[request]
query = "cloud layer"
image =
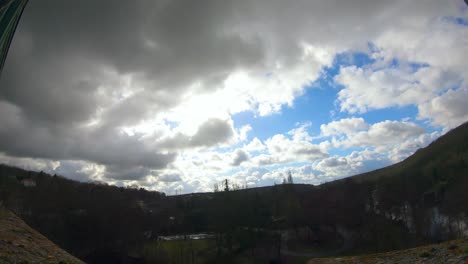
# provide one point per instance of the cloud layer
(147, 92)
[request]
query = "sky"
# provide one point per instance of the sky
(176, 96)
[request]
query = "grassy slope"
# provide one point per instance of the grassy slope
(19, 243)
(455, 251)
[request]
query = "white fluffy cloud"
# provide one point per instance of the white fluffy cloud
(367, 88)
(255, 145)
(356, 162)
(378, 153)
(344, 126)
(355, 132)
(297, 148)
(335, 167)
(437, 41)
(440, 47)
(448, 110)
(383, 134)
(397, 139)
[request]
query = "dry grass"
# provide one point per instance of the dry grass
(19, 243)
(455, 251)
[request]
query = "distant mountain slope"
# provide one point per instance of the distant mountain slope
(19, 243)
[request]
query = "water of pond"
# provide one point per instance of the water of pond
(187, 237)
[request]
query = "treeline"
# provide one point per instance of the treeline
(86, 219)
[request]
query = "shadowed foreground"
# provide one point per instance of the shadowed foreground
(19, 243)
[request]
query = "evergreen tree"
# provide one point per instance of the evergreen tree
(290, 178)
(226, 185)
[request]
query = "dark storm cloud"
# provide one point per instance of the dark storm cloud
(66, 60)
(94, 144)
(170, 42)
(172, 177)
(239, 157)
(212, 132)
(50, 94)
